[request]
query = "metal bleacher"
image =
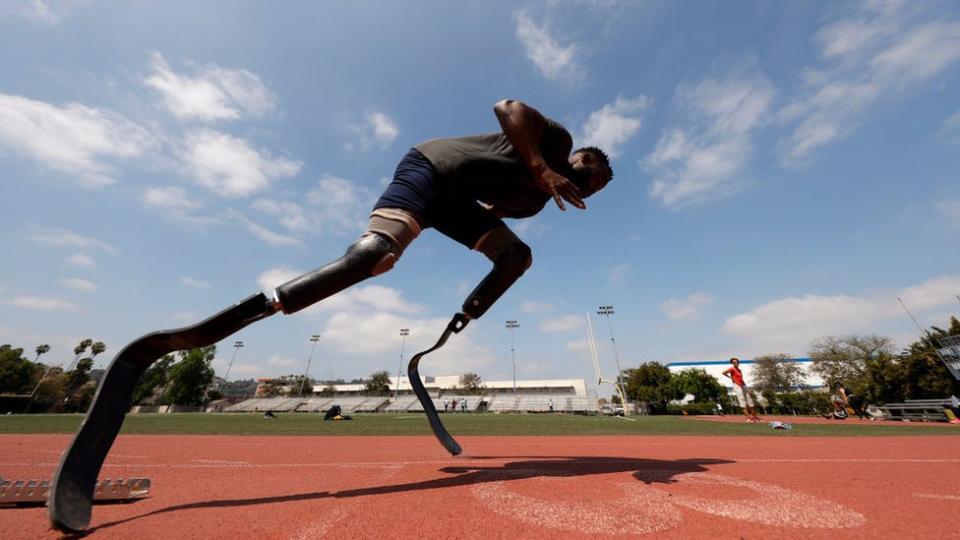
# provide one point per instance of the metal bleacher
(925, 410)
(402, 404)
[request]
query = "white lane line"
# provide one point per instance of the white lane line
(937, 496)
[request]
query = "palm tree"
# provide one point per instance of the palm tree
(41, 349)
(97, 348)
(78, 350)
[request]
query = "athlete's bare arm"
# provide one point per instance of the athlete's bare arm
(523, 125)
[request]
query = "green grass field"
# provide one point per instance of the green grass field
(458, 424)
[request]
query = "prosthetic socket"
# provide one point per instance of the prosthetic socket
(508, 266)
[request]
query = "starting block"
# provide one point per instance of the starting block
(14, 492)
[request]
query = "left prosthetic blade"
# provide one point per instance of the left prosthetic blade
(74, 484)
(458, 322)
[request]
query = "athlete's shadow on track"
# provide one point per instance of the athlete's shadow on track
(645, 470)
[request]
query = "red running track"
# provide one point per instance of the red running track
(513, 487)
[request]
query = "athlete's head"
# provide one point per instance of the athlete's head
(735, 362)
(591, 170)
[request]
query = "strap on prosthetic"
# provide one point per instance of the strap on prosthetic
(388, 234)
(511, 258)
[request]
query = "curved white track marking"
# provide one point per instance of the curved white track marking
(937, 496)
(774, 506)
(320, 527)
(642, 513)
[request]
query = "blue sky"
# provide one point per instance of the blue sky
(784, 171)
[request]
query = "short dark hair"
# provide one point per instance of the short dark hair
(734, 359)
(600, 154)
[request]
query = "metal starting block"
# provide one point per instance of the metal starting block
(109, 490)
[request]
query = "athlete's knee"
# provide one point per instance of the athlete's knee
(372, 254)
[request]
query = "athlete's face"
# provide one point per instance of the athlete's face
(589, 173)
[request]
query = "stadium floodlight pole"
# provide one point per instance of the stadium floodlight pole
(314, 338)
(513, 355)
(607, 311)
(236, 349)
(404, 332)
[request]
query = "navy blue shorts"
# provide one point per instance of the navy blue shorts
(416, 188)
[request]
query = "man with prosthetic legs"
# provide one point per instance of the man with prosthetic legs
(462, 187)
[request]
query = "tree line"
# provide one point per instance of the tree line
(867, 365)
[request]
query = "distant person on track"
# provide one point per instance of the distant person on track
(741, 390)
(463, 187)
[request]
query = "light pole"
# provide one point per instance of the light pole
(607, 311)
(404, 332)
(513, 355)
(314, 338)
(236, 349)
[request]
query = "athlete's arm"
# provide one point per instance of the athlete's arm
(524, 126)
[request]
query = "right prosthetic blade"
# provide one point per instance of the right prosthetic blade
(456, 324)
(74, 482)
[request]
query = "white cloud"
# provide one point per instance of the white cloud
(614, 124)
(362, 332)
(790, 324)
(375, 128)
(48, 12)
(56, 236)
(564, 323)
(72, 139)
(79, 284)
(169, 198)
(706, 159)
(616, 274)
(283, 362)
(230, 167)
(266, 235)
(878, 52)
(554, 61)
(950, 209)
(198, 284)
(80, 260)
(289, 214)
(42, 303)
(685, 309)
(212, 93)
(951, 128)
(340, 206)
(533, 306)
(274, 277)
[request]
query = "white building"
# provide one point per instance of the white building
(717, 367)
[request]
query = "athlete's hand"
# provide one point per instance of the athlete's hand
(559, 188)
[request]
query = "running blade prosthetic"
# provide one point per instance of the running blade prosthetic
(455, 325)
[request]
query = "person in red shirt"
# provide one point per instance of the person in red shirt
(740, 389)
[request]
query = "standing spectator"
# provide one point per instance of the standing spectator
(463, 405)
(453, 406)
(741, 390)
(446, 405)
(551, 404)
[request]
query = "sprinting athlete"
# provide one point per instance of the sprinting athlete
(463, 187)
(741, 390)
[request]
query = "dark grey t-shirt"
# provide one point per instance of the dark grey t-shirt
(487, 168)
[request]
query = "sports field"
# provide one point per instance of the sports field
(531, 476)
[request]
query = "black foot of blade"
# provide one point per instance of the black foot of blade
(71, 495)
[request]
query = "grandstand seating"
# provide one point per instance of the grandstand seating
(532, 403)
(930, 410)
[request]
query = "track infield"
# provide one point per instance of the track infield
(287, 487)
